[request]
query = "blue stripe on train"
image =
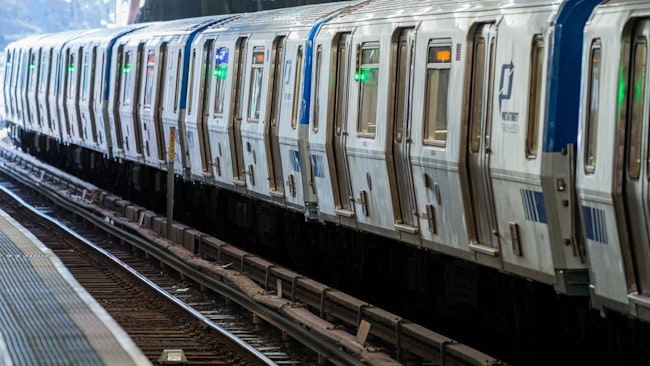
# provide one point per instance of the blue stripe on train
(563, 96)
(594, 223)
(534, 208)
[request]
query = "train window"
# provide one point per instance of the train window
(535, 96)
(85, 76)
(43, 73)
(101, 77)
(178, 81)
(191, 87)
(128, 78)
(637, 99)
(72, 72)
(148, 79)
(477, 96)
(220, 72)
(7, 67)
(296, 89)
(277, 85)
(400, 86)
(437, 91)
(367, 76)
(55, 74)
(32, 71)
(592, 107)
(255, 92)
(319, 57)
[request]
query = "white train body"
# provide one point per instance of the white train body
(487, 130)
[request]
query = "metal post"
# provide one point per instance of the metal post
(170, 182)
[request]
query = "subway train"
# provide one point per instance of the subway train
(512, 134)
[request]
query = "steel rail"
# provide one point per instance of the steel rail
(404, 335)
(313, 341)
(252, 350)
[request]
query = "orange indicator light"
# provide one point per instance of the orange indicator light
(443, 55)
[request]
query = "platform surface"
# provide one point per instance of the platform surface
(46, 316)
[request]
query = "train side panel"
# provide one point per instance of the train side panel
(220, 118)
(612, 167)
(33, 74)
(437, 110)
(45, 65)
(293, 162)
(155, 56)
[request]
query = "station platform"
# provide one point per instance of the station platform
(46, 316)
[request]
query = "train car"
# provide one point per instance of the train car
(11, 65)
(18, 67)
(89, 103)
(43, 62)
(6, 78)
(138, 130)
(452, 126)
(613, 159)
(45, 49)
(64, 83)
(250, 141)
(435, 130)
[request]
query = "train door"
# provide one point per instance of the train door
(88, 130)
(137, 130)
(53, 91)
(91, 91)
(400, 174)
(276, 184)
(118, 140)
(129, 97)
(98, 100)
(43, 85)
(234, 126)
(203, 110)
(6, 82)
(69, 88)
(483, 226)
(342, 190)
(160, 97)
(636, 172)
(32, 80)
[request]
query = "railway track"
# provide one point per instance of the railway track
(322, 318)
(153, 321)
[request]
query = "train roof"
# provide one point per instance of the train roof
(632, 4)
(178, 26)
(26, 41)
(108, 33)
(300, 16)
(387, 9)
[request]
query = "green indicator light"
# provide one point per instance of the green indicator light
(639, 89)
(71, 68)
(366, 74)
(220, 72)
(32, 66)
(621, 89)
(126, 69)
(8, 63)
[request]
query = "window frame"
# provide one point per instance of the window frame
(149, 77)
(365, 129)
(536, 82)
(441, 66)
(297, 81)
(591, 115)
(256, 70)
(220, 89)
(635, 116)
